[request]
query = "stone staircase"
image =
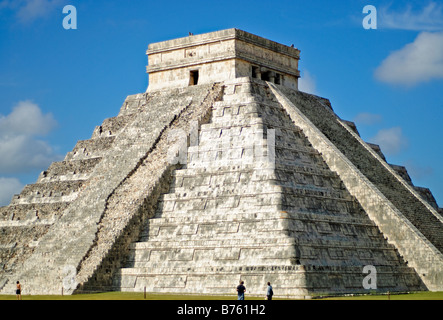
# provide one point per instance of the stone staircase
(410, 222)
(31, 214)
(234, 214)
(256, 200)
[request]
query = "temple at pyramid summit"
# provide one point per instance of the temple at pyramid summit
(223, 171)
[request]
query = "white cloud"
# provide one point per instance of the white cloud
(367, 118)
(419, 61)
(22, 153)
(306, 83)
(27, 118)
(430, 18)
(9, 187)
(20, 148)
(28, 11)
(418, 171)
(391, 141)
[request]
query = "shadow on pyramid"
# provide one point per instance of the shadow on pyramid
(223, 171)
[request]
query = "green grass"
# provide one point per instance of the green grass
(123, 296)
(140, 296)
(410, 296)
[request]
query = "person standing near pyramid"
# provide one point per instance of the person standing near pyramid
(241, 289)
(269, 292)
(18, 291)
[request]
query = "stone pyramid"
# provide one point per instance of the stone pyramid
(223, 171)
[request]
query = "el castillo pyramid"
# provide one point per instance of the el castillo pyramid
(222, 171)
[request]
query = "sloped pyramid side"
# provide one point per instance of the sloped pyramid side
(222, 213)
(31, 214)
(227, 215)
(232, 215)
(410, 223)
(71, 237)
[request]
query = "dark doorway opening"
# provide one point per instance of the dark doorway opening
(193, 80)
(265, 76)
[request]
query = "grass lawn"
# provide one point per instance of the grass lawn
(140, 296)
(409, 296)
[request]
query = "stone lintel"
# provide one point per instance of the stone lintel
(222, 35)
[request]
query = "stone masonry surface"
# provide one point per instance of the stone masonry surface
(228, 217)
(196, 185)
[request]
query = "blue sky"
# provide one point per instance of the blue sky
(56, 85)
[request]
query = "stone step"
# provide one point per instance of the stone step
(16, 200)
(49, 192)
(293, 179)
(159, 260)
(231, 190)
(23, 212)
(288, 280)
(271, 114)
(248, 145)
(239, 252)
(220, 245)
(304, 169)
(92, 148)
(12, 234)
(52, 189)
(16, 248)
(112, 126)
(69, 170)
(227, 234)
(233, 127)
(327, 205)
(353, 211)
(221, 187)
(223, 109)
(217, 142)
(261, 108)
(251, 257)
(300, 230)
(222, 216)
(218, 179)
(132, 104)
(250, 201)
(248, 137)
(259, 209)
(207, 279)
(208, 270)
(215, 160)
(288, 269)
(251, 155)
(200, 197)
(239, 98)
(278, 220)
(216, 230)
(263, 238)
(316, 192)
